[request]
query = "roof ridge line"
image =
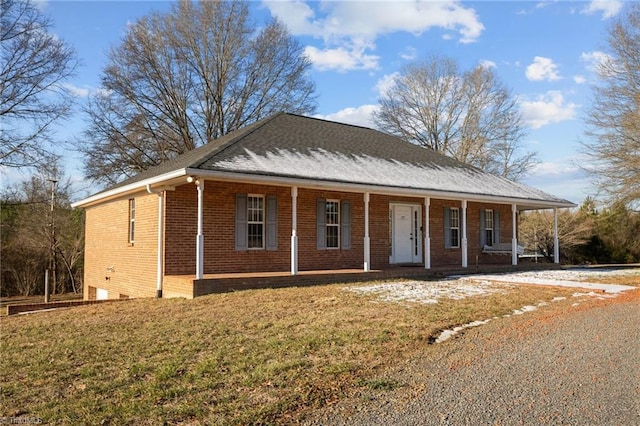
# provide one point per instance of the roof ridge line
(336, 122)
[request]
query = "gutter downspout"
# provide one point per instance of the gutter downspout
(160, 265)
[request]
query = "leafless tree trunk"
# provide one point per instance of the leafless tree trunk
(469, 116)
(613, 120)
(34, 65)
(182, 79)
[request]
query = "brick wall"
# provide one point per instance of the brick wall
(131, 269)
(220, 255)
(111, 263)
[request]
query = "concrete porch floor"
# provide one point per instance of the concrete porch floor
(188, 286)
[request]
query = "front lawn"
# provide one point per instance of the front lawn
(251, 357)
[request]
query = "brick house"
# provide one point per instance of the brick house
(292, 194)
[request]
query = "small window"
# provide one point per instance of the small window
(454, 227)
(132, 220)
(488, 227)
(333, 223)
(255, 221)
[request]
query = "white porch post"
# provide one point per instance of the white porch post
(514, 236)
(556, 242)
(427, 235)
(464, 234)
(367, 240)
(160, 270)
(200, 236)
(294, 230)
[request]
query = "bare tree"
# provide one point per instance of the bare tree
(182, 79)
(471, 116)
(34, 65)
(33, 235)
(613, 120)
(574, 229)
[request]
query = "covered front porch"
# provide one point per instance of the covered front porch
(189, 287)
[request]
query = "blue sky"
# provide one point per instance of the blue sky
(544, 51)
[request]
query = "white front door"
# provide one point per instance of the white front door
(406, 227)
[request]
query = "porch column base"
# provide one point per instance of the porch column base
(294, 255)
(199, 258)
(367, 254)
(427, 254)
(158, 294)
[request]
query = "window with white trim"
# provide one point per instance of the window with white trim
(454, 226)
(132, 219)
(488, 227)
(333, 223)
(255, 221)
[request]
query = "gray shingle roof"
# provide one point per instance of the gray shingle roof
(292, 146)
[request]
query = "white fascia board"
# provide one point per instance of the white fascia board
(524, 203)
(127, 189)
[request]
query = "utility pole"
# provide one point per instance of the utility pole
(51, 271)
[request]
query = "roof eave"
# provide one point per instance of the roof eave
(160, 180)
(523, 203)
(167, 178)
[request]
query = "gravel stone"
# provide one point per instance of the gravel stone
(577, 366)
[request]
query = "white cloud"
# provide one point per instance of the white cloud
(542, 69)
(609, 8)
(486, 64)
(409, 53)
(371, 19)
(346, 25)
(579, 79)
(385, 83)
(544, 3)
(359, 116)
(79, 92)
(548, 108)
(551, 168)
(594, 60)
(341, 59)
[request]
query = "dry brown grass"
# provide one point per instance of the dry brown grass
(633, 280)
(251, 357)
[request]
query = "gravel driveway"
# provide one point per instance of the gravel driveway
(576, 366)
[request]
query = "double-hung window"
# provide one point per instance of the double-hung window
(454, 227)
(132, 220)
(255, 222)
(488, 227)
(333, 223)
(451, 227)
